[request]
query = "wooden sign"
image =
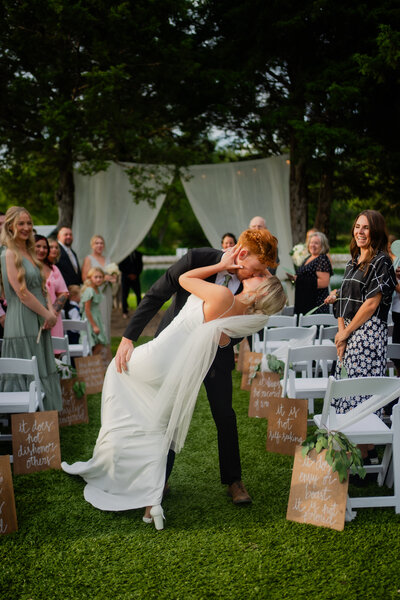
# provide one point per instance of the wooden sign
(264, 387)
(90, 369)
(243, 348)
(35, 442)
(287, 424)
(8, 514)
(251, 361)
(105, 353)
(316, 495)
(74, 409)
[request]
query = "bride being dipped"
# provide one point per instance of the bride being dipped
(147, 409)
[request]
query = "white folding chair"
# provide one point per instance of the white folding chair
(274, 321)
(327, 335)
(319, 319)
(29, 400)
(277, 336)
(393, 352)
(61, 344)
(362, 426)
(81, 349)
(318, 360)
(288, 310)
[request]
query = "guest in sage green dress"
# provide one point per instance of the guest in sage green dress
(91, 299)
(28, 308)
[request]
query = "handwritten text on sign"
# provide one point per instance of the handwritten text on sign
(264, 387)
(287, 424)
(74, 409)
(316, 495)
(90, 369)
(8, 516)
(251, 362)
(35, 441)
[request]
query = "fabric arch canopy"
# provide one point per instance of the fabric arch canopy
(224, 197)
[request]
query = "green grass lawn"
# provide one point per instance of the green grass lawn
(65, 549)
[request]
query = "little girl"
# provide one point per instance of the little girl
(90, 300)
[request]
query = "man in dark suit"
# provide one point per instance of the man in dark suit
(257, 253)
(68, 262)
(131, 268)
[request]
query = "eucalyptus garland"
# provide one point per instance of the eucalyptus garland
(342, 455)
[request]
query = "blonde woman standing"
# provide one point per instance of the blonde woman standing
(28, 308)
(98, 260)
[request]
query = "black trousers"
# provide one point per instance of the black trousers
(218, 384)
(126, 285)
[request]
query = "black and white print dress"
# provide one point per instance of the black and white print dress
(365, 354)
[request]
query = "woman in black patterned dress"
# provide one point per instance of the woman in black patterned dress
(363, 303)
(312, 278)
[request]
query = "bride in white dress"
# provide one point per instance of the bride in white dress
(147, 409)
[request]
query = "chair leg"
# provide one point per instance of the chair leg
(384, 466)
(350, 513)
(311, 406)
(396, 456)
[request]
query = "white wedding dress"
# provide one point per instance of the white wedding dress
(148, 409)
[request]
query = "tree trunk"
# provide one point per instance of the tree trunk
(325, 198)
(65, 195)
(298, 195)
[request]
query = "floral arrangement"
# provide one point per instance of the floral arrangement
(67, 372)
(342, 455)
(298, 253)
(112, 269)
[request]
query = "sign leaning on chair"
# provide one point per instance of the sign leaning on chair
(35, 442)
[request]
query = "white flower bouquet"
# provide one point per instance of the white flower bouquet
(112, 269)
(298, 253)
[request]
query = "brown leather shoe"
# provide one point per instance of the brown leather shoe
(239, 493)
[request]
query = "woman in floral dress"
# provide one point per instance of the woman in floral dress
(363, 303)
(312, 278)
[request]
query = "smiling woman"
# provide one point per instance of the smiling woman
(312, 279)
(28, 308)
(363, 303)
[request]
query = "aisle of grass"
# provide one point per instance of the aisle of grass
(65, 549)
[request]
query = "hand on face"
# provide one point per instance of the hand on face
(229, 259)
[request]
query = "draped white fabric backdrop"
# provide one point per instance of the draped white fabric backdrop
(224, 197)
(104, 205)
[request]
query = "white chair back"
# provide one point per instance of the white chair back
(81, 349)
(317, 359)
(61, 344)
(288, 310)
(327, 334)
(24, 401)
(317, 319)
(381, 389)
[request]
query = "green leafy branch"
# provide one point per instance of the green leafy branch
(79, 388)
(342, 455)
(275, 365)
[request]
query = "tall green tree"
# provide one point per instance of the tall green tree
(89, 82)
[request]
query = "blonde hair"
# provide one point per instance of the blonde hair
(262, 244)
(267, 299)
(53, 240)
(87, 283)
(95, 237)
(74, 290)
(8, 238)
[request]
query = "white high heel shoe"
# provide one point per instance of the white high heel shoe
(157, 514)
(147, 519)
